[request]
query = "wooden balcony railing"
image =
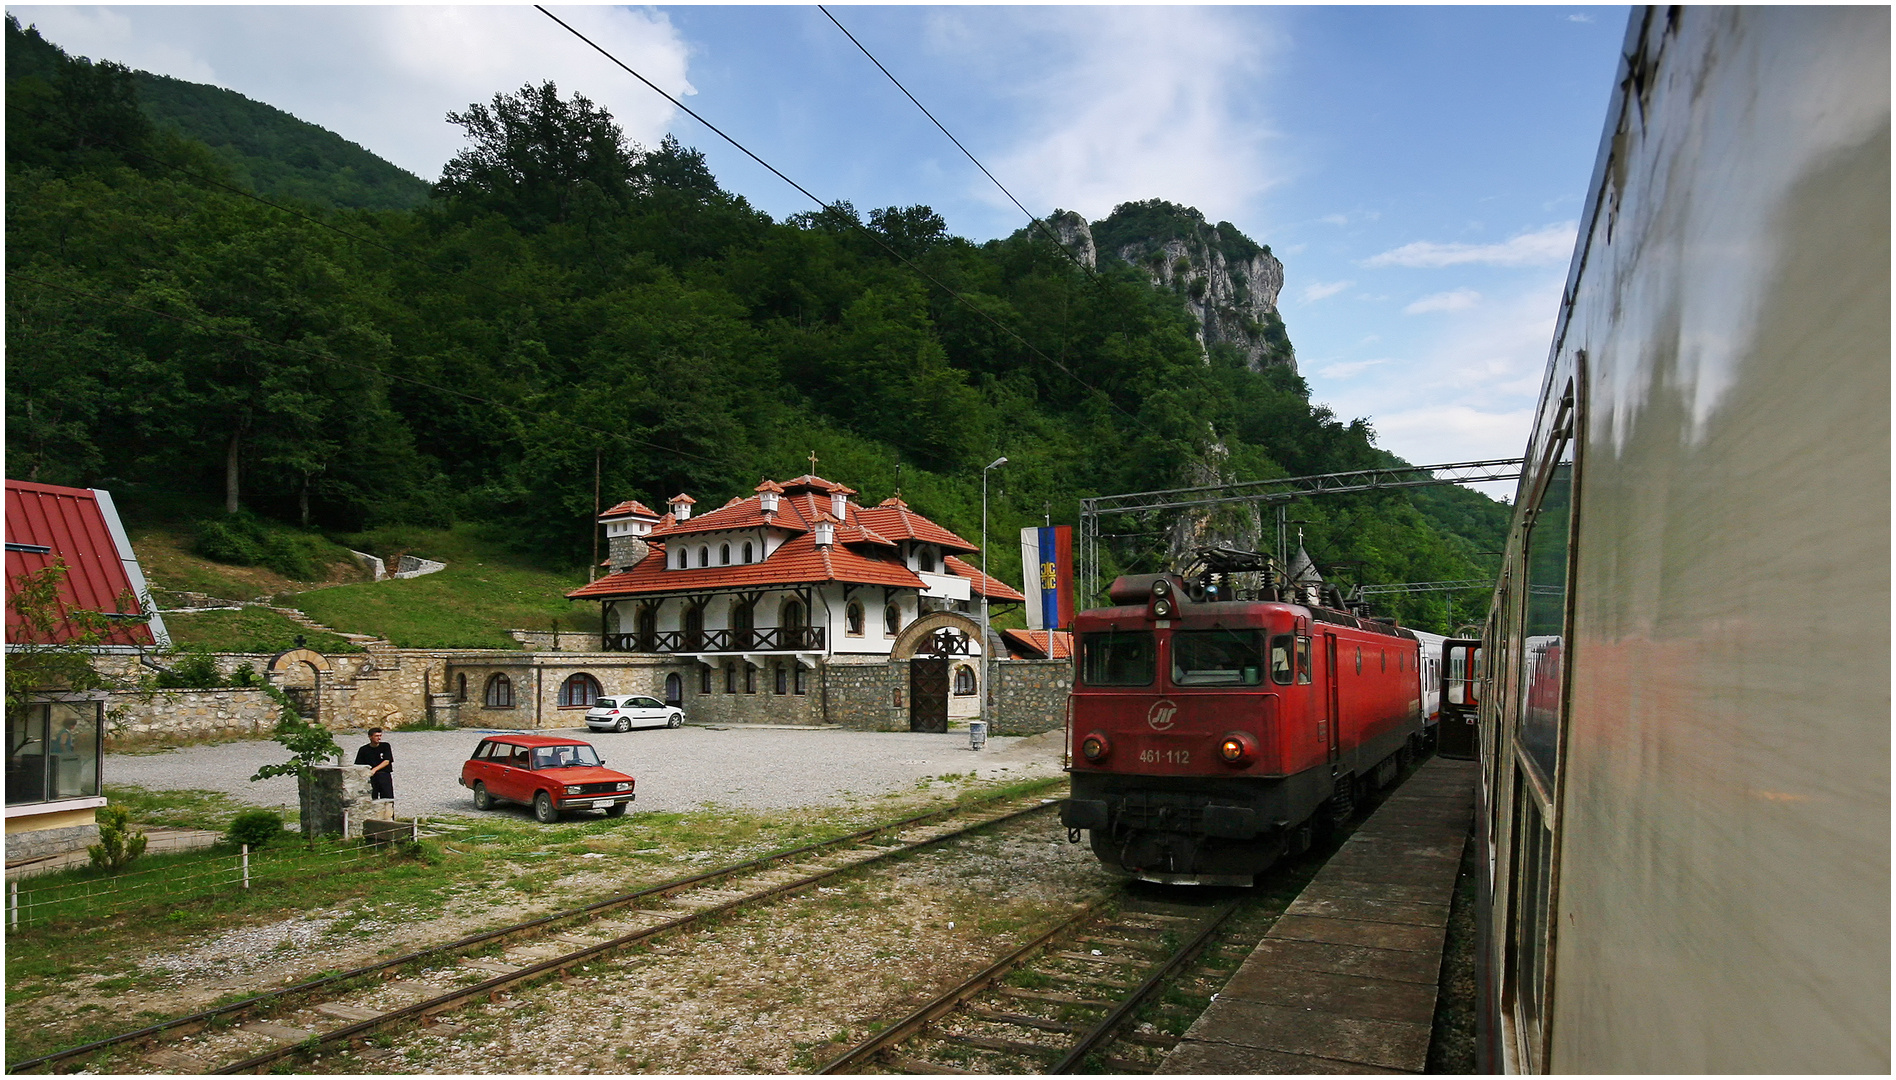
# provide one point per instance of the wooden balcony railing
(762, 639)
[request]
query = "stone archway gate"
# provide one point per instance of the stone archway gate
(927, 644)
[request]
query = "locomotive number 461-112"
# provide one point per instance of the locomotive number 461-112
(1170, 757)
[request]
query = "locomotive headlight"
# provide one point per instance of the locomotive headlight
(1162, 609)
(1161, 588)
(1095, 747)
(1237, 748)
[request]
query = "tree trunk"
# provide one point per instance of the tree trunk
(231, 457)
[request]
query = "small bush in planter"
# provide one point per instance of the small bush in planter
(254, 827)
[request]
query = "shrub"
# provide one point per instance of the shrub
(236, 539)
(118, 845)
(194, 669)
(254, 827)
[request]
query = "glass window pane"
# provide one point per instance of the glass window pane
(1544, 621)
(1280, 659)
(1303, 661)
(74, 763)
(1217, 658)
(1119, 658)
(27, 753)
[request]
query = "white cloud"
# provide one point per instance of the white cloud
(342, 66)
(1580, 17)
(1347, 368)
(1320, 290)
(1549, 246)
(1449, 432)
(1457, 300)
(1128, 103)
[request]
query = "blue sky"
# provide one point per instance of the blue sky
(1418, 170)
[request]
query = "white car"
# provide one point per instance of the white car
(626, 713)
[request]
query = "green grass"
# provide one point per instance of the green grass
(483, 593)
(250, 630)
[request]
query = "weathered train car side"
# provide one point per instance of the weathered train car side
(1686, 727)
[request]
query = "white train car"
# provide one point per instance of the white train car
(1685, 723)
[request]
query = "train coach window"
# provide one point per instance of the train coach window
(1303, 661)
(1217, 658)
(1119, 658)
(1280, 659)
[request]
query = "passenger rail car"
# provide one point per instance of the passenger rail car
(1683, 821)
(1209, 738)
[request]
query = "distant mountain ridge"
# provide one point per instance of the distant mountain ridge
(268, 150)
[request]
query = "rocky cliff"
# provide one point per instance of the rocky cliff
(1227, 281)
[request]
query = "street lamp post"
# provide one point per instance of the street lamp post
(998, 462)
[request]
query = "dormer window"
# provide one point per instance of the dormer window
(704, 556)
(749, 556)
(683, 558)
(724, 555)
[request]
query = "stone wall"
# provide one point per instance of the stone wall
(1030, 696)
(31, 844)
(175, 715)
(867, 696)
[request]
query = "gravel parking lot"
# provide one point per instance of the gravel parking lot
(760, 768)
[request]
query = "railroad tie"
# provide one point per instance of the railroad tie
(279, 1032)
(919, 1067)
(173, 1061)
(355, 1014)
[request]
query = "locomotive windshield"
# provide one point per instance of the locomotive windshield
(1280, 659)
(1118, 658)
(1217, 658)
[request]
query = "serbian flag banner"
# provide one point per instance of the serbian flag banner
(1046, 559)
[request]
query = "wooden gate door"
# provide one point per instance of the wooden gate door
(928, 694)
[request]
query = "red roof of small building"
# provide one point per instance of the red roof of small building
(1040, 644)
(80, 526)
(893, 518)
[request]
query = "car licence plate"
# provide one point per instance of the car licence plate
(600, 804)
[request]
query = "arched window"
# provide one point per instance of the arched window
(579, 691)
(460, 688)
(724, 555)
(891, 620)
(683, 556)
(964, 680)
(730, 678)
(704, 678)
(704, 556)
(674, 689)
(750, 677)
(747, 552)
(783, 678)
(796, 678)
(499, 692)
(792, 616)
(853, 617)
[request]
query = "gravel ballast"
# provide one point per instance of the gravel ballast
(677, 769)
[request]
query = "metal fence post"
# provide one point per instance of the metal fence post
(15, 889)
(246, 866)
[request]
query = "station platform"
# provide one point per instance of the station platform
(1346, 980)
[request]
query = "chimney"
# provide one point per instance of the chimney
(825, 531)
(681, 507)
(768, 493)
(839, 506)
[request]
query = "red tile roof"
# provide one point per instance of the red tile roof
(798, 562)
(992, 588)
(894, 518)
(1043, 644)
(80, 526)
(630, 508)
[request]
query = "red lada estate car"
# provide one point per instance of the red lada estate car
(548, 773)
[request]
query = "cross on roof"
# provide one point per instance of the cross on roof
(812, 463)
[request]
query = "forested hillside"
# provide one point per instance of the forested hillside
(567, 300)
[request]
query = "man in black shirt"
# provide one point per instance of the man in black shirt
(378, 754)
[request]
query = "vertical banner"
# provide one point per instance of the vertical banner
(1046, 559)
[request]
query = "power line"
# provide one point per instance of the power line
(719, 132)
(951, 138)
(240, 335)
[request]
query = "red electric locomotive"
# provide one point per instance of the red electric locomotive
(1210, 736)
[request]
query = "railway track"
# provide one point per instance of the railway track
(302, 1019)
(1065, 1002)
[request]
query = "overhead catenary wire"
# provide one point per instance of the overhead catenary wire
(828, 207)
(1077, 261)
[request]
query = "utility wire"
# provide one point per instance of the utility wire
(872, 234)
(951, 138)
(240, 335)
